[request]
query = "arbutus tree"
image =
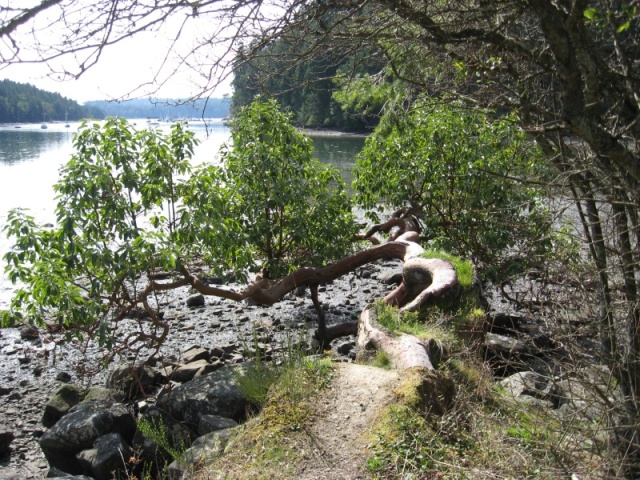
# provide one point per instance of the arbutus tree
(130, 206)
(567, 69)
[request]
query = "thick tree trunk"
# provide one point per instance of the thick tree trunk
(423, 279)
(404, 351)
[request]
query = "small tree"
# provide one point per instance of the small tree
(462, 175)
(295, 211)
(111, 233)
(130, 205)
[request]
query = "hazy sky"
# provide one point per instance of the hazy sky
(123, 68)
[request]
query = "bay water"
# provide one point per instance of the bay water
(30, 158)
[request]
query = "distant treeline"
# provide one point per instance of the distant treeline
(164, 108)
(303, 74)
(21, 102)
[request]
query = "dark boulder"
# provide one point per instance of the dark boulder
(214, 394)
(6, 437)
(108, 459)
(78, 430)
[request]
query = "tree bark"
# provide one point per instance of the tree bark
(423, 279)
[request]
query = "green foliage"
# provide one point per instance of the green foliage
(467, 438)
(407, 443)
(382, 360)
(110, 228)
(260, 374)
(295, 211)
(129, 204)
(464, 172)
(156, 431)
(302, 82)
(391, 318)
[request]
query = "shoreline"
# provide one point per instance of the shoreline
(313, 132)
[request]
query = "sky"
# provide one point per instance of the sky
(121, 72)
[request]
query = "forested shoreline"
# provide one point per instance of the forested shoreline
(164, 108)
(24, 103)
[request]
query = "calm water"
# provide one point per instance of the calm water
(30, 158)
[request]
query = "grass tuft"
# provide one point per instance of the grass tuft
(464, 268)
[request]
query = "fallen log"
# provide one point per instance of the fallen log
(404, 350)
(423, 279)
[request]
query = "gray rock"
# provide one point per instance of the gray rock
(392, 278)
(213, 394)
(345, 347)
(525, 383)
(195, 353)
(212, 423)
(62, 401)
(79, 428)
(210, 368)
(217, 352)
(108, 457)
(63, 377)
(195, 301)
(203, 450)
(56, 472)
(504, 343)
(184, 373)
(103, 395)
(6, 437)
(131, 381)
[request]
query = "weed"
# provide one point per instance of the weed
(154, 430)
(382, 360)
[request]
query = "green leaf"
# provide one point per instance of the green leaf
(624, 27)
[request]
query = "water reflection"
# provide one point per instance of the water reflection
(24, 145)
(339, 151)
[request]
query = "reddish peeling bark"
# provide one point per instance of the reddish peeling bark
(422, 279)
(404, 351)
(268, 294)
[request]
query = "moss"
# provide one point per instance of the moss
(382, 360)
(272, 443)
(464, 268)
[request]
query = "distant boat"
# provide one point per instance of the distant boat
(44, 119)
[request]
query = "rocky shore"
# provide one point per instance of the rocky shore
(209, 336)
(34, 365)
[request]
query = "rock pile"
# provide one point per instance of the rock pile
(94, 432)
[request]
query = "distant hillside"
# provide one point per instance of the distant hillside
(21, 102)
(157, 108)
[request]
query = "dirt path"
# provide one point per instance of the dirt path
(346, 412)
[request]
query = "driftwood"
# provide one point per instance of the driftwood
(423, 279)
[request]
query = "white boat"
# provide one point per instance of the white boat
(44, 119)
